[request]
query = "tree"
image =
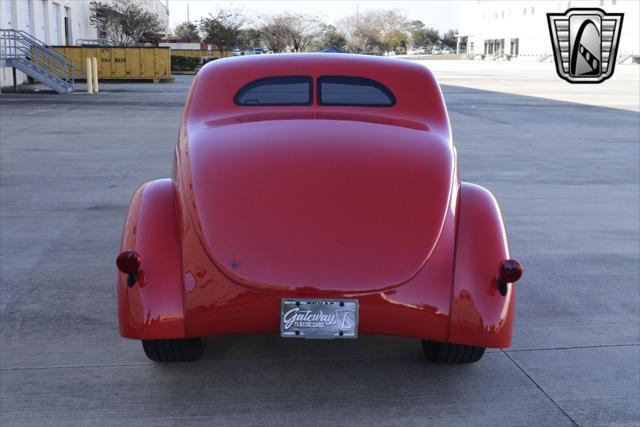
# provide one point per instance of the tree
(331, 37)
(248, 39)
(432, 36)
(416, 33)
(449, 39)
(422, 36)
(123, 21)
(188, 31)
(291, 30)
(360, 31)
(274, 37)
(223, 28)
(393, 31)
(375, 31)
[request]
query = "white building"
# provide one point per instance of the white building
(58, 22)
(520, 29)
(160, 8)
(54, 22)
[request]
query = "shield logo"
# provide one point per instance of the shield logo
(346, 320)
(585, 43)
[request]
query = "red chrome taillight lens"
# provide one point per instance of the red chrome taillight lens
(128, 262)
(510, 271)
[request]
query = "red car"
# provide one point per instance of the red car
(315, 195)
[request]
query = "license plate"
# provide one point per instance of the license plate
(319, 318)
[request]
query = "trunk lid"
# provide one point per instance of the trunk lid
(320, 205)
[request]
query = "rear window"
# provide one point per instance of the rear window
(353, 91)
(289, 90)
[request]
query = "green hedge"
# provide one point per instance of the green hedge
(184, 63)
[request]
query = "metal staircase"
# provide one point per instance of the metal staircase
(24, 52)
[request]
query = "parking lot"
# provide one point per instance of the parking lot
(565, 173)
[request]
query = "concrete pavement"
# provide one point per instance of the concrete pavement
(541, 80)
(566, 176)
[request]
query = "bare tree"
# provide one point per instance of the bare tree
(274, 37)
(123, 21)
(393, 30)
(291, 30)
(223, 28)
(360, 31)
(375, 30)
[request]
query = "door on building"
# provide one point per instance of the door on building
(498, 47)
(6, 14)
(67, 27)
(26, 21)
(515, 47)
(33, 23)
(42, 20)
(55, 28)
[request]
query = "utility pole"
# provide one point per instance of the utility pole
(357, 27)
(188, 20)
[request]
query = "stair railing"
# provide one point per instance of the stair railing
(20, 45)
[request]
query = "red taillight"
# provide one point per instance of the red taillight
(509, 271)
(128, 262)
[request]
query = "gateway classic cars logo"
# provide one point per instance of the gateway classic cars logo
(307, 319)
(585, 43)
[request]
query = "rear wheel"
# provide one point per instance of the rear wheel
(442, 352)
(186, 350)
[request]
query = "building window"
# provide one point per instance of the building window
(533, 10)
(524, 11)
(601, 2)
(503, 13)
(568, 5)
(613, 2)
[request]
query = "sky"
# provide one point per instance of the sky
(442, 15)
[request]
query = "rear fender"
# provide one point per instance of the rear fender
(153, 308)
(480, 315)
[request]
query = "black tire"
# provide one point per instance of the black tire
(442, 352)
(187, 350)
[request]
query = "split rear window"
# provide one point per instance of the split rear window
(331, 90)
(353, 91)
(289, 90)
